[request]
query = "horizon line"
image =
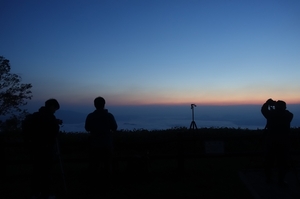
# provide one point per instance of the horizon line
(166, 104)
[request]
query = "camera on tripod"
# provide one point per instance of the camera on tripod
(193, 123)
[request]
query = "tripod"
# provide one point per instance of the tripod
(193, 123)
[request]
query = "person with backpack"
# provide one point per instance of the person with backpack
(40, 132)
(277, 138)
(100, 124)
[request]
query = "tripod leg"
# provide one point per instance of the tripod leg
(191, 126)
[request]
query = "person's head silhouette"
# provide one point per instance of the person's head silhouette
(99, 103)
(280, 105)
(52, 105)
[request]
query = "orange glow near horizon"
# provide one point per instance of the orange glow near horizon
(204, 97)
(220, 102)
(139, 100)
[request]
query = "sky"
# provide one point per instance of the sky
(162, 52)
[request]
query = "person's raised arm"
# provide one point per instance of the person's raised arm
(265, 107)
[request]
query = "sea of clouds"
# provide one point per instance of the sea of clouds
(167, 117)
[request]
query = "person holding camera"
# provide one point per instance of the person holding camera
(277, 137)
(41, 129)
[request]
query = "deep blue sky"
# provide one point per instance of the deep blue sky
(154, 51)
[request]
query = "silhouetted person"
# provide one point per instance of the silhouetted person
(101, 124)
(43, 127)
(277, 137)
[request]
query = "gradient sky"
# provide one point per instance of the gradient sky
(154, 51)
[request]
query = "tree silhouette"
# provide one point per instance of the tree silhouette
(13, 93)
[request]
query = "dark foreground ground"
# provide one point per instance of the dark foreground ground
(209, 180)
(259, 189)
(179, 164)
(205, 178)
